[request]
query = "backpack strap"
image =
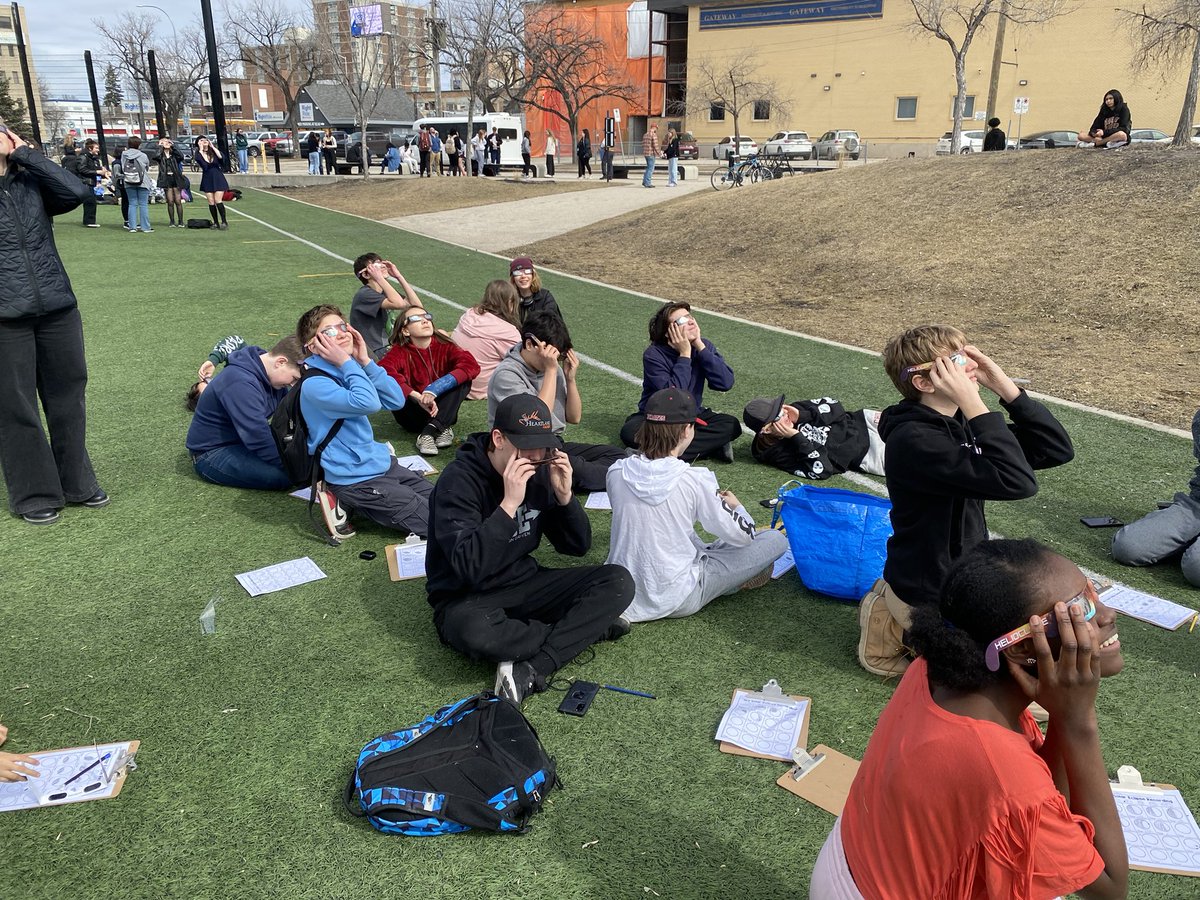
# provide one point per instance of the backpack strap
(316, 470)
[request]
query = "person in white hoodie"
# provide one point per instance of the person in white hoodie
(657, 499)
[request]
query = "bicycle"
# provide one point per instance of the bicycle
(736, 175)
(778, 164)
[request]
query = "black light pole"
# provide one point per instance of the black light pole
(87, 60)
(30, 99)
(156, 96)
(214, 85)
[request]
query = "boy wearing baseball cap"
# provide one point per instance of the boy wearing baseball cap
(814, 438)
(491, 599)
(657, 499)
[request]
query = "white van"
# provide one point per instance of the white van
(509, 127)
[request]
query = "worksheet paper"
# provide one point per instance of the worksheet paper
(766, 727)
(1160, 830)
(1146, 607)
(54, 768)
(598, 500)
(410, 559)
(279, 576)
(784, 564)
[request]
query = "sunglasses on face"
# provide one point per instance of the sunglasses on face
(335, 330)
(517, 272)
(959, 358)
(1085, 600)
(418, 317)
(683, 320)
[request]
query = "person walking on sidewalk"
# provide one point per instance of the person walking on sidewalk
(583, 153)
(478, 146)
(526, 154)
(312, 146)
(329, 152)
(551, 152)
(242, 145)
(650, 150)
(671, 151)
(424, 141)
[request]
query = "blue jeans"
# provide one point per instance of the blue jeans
(139, 207)
(314, 163)
(235, 466)
(243, 161)
(649, 171)
(672, 170)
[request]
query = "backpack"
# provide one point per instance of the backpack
(477, 763)
(131, 170)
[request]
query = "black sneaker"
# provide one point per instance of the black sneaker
(617, 629)
(517, 680)
(96, 501)
(41, 517)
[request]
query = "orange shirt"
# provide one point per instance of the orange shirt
(950, 808)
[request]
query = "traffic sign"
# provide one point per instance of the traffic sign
(1020, 106)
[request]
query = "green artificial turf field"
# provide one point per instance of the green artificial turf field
(248, 734)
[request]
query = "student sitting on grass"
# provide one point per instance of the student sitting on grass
(488, 331)
(945, 454)
(814, 438)
(534, 297)
(679, 357)
(1167, 533)
(434, 375)
(230, 439)
(545, 364)
(376, 298)
(657, 499)
(958, 794)
(491, 599)
(1112, 125)
(360, 473)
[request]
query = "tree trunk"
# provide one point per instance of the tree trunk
(362, 149)
(1183, 131)
(960, 99)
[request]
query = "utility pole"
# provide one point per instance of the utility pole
(997, 62)
(137, 83)
(18, 27)
(435, 37)
(91, 74)
(214, 85)
(156, 95)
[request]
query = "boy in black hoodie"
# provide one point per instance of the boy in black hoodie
(491, 600)
(945, 454)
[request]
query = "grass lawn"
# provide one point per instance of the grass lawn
(248, 734)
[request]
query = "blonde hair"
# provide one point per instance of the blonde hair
(535, 283)
(656, 440)
(918, 345)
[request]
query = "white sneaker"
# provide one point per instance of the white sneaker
(445, 438)
(427, 445)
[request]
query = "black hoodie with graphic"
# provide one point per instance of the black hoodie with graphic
(1110, 121)
(474, 546)
(940, 470)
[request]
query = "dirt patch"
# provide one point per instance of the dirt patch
(1076, 269)
(389, 196)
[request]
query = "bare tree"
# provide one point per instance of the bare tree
(562, 59)
(1163, 38)
(367, 72)
(53, 119)
(278, 43)
(733, 84)
(182, 63)
(958, 21)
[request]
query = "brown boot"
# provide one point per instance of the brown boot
(882, 618)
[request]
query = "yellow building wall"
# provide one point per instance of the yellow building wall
(847, 75)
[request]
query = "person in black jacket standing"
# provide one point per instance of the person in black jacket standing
(995, 139)
(491, 600)
(89, 169)
(41, 343)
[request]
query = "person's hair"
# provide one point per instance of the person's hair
(993, 122)
(291, 348)
(661, 320)
(587, 134)
(995, 587)
(90, 142)
(398, 338)
(526, 134)
(1118, 101)
(656, 440)
(549, 328)
(362, 262)
(763, 441)
(535, 282)
(671, 134)
(921, 344)
(500, 298)
(134, 142)
(306, 328)
(192, 399)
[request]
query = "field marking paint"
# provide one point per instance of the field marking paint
(1070, 404)
(326, 275)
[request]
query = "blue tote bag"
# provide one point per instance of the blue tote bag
(838, 537)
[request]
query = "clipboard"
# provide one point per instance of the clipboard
(392, 551)
(1154, 852)
(114, 780)
(822, 777)
(734, 749)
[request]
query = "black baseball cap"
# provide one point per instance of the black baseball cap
(525, 420)
(761, 411)
(672, 406)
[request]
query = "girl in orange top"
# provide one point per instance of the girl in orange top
(959, 796)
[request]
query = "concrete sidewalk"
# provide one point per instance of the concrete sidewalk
(521, 222)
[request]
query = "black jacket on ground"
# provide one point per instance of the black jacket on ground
(32, 276)
(940, 470)
(539, 301)
(829, 441)
(474, 546)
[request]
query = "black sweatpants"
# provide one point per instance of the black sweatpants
(709, 439)
(547, 619)
(412, 416)
(589, 463)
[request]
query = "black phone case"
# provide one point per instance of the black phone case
(1101, 522)
(579, 698)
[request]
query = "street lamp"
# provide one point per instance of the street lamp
(174, 34)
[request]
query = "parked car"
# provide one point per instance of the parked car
(723, 147)
(792, 144)
(1196, 134)
(972, 142)
(1149, 136)
(1049, 140)
(258, 141)
(280, 144)
(831, 143)
(688, 148)
(377, 144)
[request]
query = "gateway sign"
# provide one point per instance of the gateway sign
(789, 13)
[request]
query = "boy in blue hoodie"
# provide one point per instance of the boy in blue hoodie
(360, 472)
(230, 439)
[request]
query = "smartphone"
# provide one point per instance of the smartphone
(1101, 521)
(579, 698)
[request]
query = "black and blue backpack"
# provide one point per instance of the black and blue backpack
(477, 763)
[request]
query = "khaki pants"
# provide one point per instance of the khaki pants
(883, 618)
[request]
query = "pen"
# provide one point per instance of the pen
(83, 772)
(621, 690)
(1192, 627)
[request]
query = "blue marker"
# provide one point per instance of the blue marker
(83, 772)
(621, 690)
